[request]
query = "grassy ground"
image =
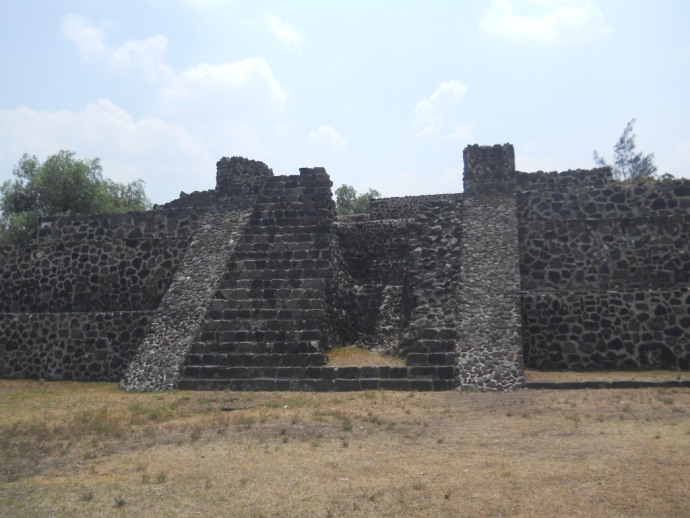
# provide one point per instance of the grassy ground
(87, 449)
(655, 376)
(351, 356)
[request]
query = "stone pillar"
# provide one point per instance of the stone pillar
(489, 170)
(239, 176)
(489, 346)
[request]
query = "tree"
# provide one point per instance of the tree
(628, 163)
(60, 186)
(348, 201)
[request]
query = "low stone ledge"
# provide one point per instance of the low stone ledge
(622, 384)
(323, 384)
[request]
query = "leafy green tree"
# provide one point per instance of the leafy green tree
(629, 164)
(62, 185)
(348, 201)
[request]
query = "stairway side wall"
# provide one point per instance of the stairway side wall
(489, 344)
(180, 315)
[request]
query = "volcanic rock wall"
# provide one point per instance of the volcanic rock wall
(605, 271)
(75, 302)
(249, 285)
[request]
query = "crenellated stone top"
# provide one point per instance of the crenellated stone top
(238, 176)
(489, 169)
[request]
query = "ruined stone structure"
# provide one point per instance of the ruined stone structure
(248, 286)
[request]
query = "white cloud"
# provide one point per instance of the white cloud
(435, 114)
(164, 155)
(564, 21)
(245, 86)
(283, 31)
(328, 136)
(200, 5)
(249, 82)
(144, 57)
(90, 40)
(203, 5)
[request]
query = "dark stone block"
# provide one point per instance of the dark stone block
(422, 371)
(368, 384)
(419, 358)
(348, 372)
(323, 385)
(421, 384)
(306, 385)
(446, 372)
(346, 384)
(369, 371)
(397, 372)
(443, 384)
(674, 331)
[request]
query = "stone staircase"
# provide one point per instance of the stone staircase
(267, 316)
(265, 327)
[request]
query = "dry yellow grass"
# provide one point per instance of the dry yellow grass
(351, 356)
(655, 376)
(71, 449)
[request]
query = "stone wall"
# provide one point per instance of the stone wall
(77, 300)
(155, 224)
(249, 285)
(605, 271)
(542, 196)
(407, 207)
(97, 275)
(367, 289)
(94, 346)
(622, 329)
(605, 254)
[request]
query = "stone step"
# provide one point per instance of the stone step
(258, 360)
(283, 264)
(302, 319)
(269, 274)
(276, 253)
(290, 220)
(264, 309)
(316, 385)
(306, 282)
(291, 231)
(256, 318)
(271, 203)
(262, 336)
(263, 298)
(243, 372)
(252, 249)
(251, 347)
(317, 372)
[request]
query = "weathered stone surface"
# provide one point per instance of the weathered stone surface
(489, 345)
(605, 270)
(249, 285)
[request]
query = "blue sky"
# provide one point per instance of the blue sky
(383, 94)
